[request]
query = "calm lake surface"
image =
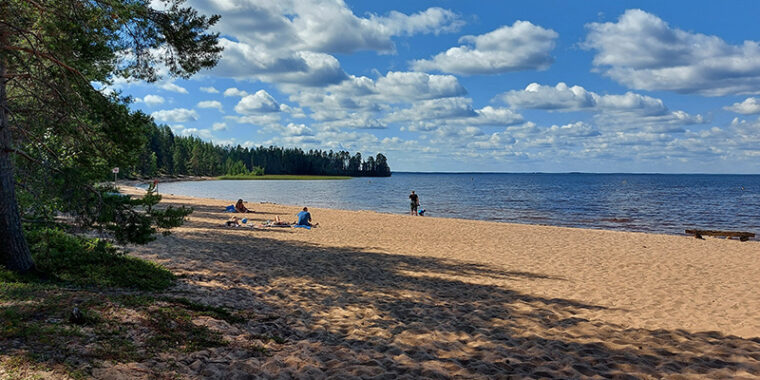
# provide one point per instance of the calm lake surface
(662, 203)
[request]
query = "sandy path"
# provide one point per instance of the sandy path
(393, 296)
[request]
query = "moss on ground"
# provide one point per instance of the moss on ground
(119, 317)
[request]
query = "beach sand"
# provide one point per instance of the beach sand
(384, 296)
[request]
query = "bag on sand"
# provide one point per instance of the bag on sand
(230, 208)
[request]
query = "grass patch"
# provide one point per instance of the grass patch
(41, 336)
(90, 262)
(36, 328)
(174, 329)
(211, 311)
(281, 177)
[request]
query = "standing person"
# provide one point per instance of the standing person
(304, 218)
(414, 202)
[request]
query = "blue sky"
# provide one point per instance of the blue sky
(551, 86)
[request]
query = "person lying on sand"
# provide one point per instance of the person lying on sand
(233, 222)
(304, 218)
(278, 222)
(240, 207)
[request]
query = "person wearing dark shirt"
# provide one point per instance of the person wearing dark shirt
(240, 207)
(414, 202)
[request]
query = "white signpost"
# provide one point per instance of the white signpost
(115, 172)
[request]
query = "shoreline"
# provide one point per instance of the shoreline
(681, 234)
(368, 294)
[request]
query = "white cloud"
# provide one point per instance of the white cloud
(356, 121)
(447, 108)
(296, 112)
(522, 46)
(361, 102)
(321, 26)
(428, 115)
(564, 98)
(211, 104)
(297, 130)
(234, 91)
(289, 42)
(175, 115)
(265, 119)
(396, 86)
(210, 90)
(560, 97)
(629, 110)
(329, 26)
(202, 133)
(749, 106)
(260, 102)
(151, 100)
(642, 51)
(171, 86)
(219, 126)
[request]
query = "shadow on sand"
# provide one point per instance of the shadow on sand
(348, 312)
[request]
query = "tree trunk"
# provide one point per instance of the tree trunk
(14, 252)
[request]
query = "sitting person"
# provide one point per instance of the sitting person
(239, 207)
(304, 218)
(421, 212)
(233, 222)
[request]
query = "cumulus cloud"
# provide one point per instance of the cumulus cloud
(297, 130)
(260, 102)
(211, 104)
(209, 90)
(428, 115)
(522, 46)
(234, 91)
(329, 26)
(171, 86)
(290, 42)
(642, 51)
(417, 86)
(629, 110)
(151, 100)
(323, 26)
(749, 106)
(175, 115)
(219, 126)
(435, 109)
(564, 98)
(560, 97)
(262, 119)
(367, 96)
(202, 133)
(356, 121)
(296, 112)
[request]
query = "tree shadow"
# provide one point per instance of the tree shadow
(346, 311)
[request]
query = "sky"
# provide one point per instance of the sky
(481, 86)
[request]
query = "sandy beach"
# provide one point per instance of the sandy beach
(372, 295)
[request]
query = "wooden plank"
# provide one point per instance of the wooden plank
(743, 236)
(720, 233)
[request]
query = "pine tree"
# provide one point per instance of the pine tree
(60, 135)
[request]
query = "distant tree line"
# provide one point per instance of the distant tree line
(165, 153)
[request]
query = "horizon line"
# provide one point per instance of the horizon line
(572, 172)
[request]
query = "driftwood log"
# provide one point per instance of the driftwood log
(743, 236)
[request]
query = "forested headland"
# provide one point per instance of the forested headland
(165, 153)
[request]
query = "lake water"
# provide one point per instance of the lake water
(660, 203)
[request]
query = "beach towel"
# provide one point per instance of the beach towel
(302, 226)
(230, 208)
